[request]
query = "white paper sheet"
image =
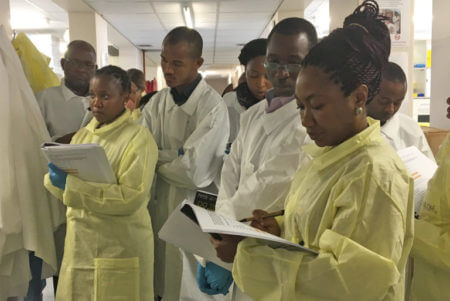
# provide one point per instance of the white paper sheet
(183, 232)
(421, 169)
(212, 222)
(86, 161)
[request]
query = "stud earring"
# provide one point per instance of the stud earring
(358, 111)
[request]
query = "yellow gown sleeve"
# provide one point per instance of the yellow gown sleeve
(431, 250)
(362, 252)
(55, 191)
(135, 176)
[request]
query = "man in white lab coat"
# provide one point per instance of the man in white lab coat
(189, 122)
(64, 107)
(267, 151)
(400, 130)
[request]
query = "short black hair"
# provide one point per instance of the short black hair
(295, 26)
(145, 99)
(357, 53)
(118, 74)
(251, 50)
(188, 35)
(137, 77)
(79, 44)
(393, 73)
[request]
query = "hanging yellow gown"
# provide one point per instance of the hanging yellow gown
(34, 64)
(109, 243)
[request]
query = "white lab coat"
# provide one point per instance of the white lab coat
(28, 215)
(200, 127)
(63, 111)
(401, 131)
(234, 113)
(263, 160)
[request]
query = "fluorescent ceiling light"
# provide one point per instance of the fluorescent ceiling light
(188, 17)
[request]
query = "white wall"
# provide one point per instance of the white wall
(101, 31)
(5, 16)
(217, 83)
(81, 27)
(129, 55)
(151, 71)
(440, 64)
(339, 10)
(92, 28)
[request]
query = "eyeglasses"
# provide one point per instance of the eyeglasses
(80, 64)
(274, 67)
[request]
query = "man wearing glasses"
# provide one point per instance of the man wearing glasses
(64, 107)
(267, 151)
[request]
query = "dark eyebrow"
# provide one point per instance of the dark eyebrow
(309, 97)
(295, 57)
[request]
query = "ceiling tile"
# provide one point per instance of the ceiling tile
(204, 20)
(249, 6)
(117, 1)
(171, 21)
(115, 7)
(167, 7)
(205, 7)
(147, 22)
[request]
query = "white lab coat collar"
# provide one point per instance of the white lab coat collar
(67, 93)
(392, 127)
(190, 105)
(274, 119)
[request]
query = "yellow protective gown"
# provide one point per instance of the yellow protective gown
(431, 249)
(355, 207)
(34, 64)
(109, 242)
(136, 115)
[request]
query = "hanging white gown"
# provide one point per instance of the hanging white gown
(28, 214)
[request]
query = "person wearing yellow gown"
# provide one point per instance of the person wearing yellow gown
(109, 242)
(353, 203)
(431, 248)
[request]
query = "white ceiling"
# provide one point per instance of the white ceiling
(37, 16)
(224, 24)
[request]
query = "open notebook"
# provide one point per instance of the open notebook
(86, 161)
(189, 228)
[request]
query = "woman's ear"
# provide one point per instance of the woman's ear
(359, 96)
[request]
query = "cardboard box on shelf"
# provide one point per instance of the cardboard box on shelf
(435, 137)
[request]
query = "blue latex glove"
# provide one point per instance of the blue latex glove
(213, 279)
(57, 176)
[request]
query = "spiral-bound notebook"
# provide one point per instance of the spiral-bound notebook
(86, 161)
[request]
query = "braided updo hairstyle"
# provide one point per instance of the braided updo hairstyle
(118, 74)
(355, 54)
